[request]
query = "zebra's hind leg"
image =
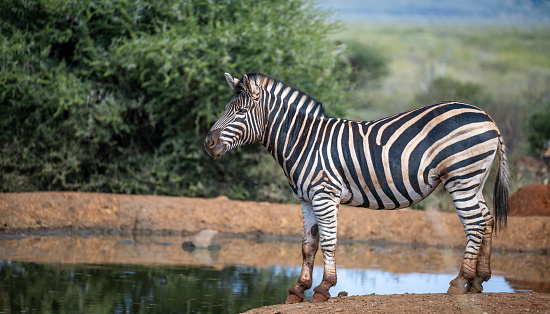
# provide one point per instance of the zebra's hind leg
(478, 226)
(310, 244)
(483, 271)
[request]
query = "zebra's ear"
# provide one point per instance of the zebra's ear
(233, 82)
(251, 87)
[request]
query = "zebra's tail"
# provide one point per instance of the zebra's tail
(502, 188)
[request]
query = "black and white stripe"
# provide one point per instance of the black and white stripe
(388, 163)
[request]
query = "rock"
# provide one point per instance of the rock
(188, 246)
(206, 239)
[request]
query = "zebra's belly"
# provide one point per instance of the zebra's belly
(385, 197)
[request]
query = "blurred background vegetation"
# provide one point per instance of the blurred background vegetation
(117, 96)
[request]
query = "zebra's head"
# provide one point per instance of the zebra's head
(242, 120)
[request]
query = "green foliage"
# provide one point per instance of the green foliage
(368, 65)
(538, 129)
(117, 96)
(537, 122)
(448, 89)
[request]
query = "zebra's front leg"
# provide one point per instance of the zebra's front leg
(326, 211)
(310, 244)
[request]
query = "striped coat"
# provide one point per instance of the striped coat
(388, 163)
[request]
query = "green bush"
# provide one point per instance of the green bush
(368, 65)
(449, 89)
(117, 96)
(538, 129)
(537, 122)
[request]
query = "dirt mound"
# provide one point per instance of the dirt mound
(531, 200)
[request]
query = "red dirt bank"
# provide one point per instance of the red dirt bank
(163, 214)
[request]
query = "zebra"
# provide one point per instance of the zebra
(390, 163)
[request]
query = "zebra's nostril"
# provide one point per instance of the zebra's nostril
(212, 144)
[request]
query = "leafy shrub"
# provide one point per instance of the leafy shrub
(117, 96)
(449, 89)
(368, 65)
(538, 129)
(537, 122)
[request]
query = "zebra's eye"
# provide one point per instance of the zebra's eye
(242, 110)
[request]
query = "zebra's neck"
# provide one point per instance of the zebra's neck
(290, 115)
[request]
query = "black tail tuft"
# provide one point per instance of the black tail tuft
(502, 189)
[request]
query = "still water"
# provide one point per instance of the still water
(117, 274)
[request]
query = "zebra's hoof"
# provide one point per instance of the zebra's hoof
(292, 298)
(319, 298)
(476, 286)
(475, 289)
(459, 285)
(456, 290)
(321, 294)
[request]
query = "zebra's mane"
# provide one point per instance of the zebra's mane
(263, 80)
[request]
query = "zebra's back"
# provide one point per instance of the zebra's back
(397, 161)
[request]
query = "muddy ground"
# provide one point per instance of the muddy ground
(68, 212)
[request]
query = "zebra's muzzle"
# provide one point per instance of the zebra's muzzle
(214, 147)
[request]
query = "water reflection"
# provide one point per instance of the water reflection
(153, 274)
(134, 288)
(365, 281)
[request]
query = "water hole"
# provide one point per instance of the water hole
(129, 274)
